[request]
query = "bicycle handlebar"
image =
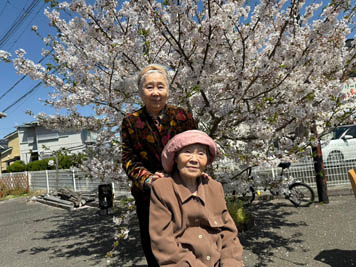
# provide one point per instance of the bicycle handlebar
(248, 169)
(283, 165)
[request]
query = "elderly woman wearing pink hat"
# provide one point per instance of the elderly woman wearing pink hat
(189, 221)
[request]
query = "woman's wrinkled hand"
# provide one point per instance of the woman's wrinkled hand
(206, 176)
(154, 177)
(157, 175)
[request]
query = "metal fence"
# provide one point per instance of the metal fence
(336, 171)
(337, 174)
(72, 179)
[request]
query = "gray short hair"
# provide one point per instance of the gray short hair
(151, 68)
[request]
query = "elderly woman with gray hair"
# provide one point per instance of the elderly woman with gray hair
(189, 221)
(144, 133)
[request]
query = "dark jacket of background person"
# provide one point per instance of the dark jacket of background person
(192, 230)
(143, 142)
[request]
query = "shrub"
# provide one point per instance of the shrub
(65, 161)
(38, 165)
(17, 166)
(238, 212)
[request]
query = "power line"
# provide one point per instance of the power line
(26, 27)
(22, 97)
(20, 19)
(22, 78)
(12, 87)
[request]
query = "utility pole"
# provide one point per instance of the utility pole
(57, 178)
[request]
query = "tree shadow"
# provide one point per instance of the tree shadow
(262, 239)
(87, 234)
(129, 252)
(337, 257)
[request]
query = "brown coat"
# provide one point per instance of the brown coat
(188, 230)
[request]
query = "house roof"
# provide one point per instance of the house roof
(6, 150)
(28, 124)
(3, 144)
(10, 135)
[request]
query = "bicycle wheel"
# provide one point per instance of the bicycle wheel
(301, 195)
(249, 196)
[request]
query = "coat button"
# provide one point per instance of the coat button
(208, 258)
(200, 236)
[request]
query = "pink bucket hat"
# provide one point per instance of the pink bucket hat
(185, 139)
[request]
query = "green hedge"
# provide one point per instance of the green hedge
(64, 162)
(40, 165)
(17, 166)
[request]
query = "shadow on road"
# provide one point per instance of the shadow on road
(262, 239)
(337, 257)
(84, 233)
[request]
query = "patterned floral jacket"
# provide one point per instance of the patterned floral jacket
(143, 141)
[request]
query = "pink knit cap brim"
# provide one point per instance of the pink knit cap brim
(185, 139)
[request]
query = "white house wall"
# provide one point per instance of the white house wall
(27, 143)
(45, 141)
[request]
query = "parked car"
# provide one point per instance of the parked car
(342, 145)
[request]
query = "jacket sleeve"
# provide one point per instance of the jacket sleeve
(231, 254)
(165, 247)
(131, 162)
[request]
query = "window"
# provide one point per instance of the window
(352, 131)
(344, 130)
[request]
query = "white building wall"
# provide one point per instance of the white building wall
(72, 141)
(37, 139)
(27, 143)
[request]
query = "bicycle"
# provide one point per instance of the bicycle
(298, 193)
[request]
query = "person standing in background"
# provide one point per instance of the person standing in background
(144, 133)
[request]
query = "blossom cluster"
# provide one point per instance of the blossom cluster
(256, 76)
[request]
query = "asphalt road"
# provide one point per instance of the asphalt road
(33, 234)
(36, 235)
(318, 236)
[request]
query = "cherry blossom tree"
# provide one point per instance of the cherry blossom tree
(257, 75)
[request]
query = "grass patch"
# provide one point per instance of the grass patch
(9, 193)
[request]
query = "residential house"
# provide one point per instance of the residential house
(3, 145)
(10, 150)
(37, 142)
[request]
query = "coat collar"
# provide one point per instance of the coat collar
(183, 192)
(161, 115)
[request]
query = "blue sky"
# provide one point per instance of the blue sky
(22, 37)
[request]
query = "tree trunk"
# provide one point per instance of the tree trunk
(320, 177)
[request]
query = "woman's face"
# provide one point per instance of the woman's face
(192, 160)
(154, 92)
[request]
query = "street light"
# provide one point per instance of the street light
(2, 115)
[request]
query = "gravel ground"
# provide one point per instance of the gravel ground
(34, 234)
